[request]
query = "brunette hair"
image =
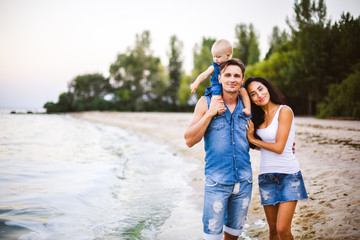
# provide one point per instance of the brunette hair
(258, 115)
(235, 62)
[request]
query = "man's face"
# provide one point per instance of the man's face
(231, 78)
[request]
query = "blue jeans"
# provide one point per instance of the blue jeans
(280, 187)
(225, 208)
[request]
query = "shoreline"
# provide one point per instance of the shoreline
(328, 153)
(166, 128)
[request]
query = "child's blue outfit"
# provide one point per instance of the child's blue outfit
(215, 88)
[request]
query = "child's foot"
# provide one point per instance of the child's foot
(247, 112)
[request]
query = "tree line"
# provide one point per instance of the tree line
(316, 65)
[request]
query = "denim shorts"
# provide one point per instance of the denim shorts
(225, 208)
(280, 187)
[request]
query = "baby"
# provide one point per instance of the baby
(221, 51)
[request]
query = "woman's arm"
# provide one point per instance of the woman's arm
(285, 119)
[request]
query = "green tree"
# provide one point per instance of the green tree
(86, 92)
(325, 53)
(345, 39)
(184, 91)
(246, 47)
(122, 83)
(343, 98)
(89, 87)
(175, 70)
(65, 103)
(137, 76)
(241, 47)
(313, 62)
(277, 41)
(254, 51)
(310, 32)
(51, 107)
(273, 68)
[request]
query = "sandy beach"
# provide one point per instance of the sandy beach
(329, 155)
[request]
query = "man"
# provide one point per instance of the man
(228, 171)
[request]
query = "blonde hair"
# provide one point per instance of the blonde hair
(222, 45)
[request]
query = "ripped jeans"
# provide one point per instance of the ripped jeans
(225, 208)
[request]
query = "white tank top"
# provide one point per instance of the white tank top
(272, 162)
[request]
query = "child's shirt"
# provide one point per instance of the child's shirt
(215, 88)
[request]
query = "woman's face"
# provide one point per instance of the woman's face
(258, 93)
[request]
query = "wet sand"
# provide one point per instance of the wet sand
(329, 155)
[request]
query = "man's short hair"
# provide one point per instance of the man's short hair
(235, 62)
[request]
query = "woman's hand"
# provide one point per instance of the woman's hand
(250, 130)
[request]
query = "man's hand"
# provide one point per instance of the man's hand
(217, 106)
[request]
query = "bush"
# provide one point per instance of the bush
(343, 98)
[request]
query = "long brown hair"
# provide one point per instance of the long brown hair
(258, 115)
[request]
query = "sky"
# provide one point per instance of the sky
(44, 44)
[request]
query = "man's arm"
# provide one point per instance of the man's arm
(201, 119)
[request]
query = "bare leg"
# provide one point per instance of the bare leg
(284, 219)
(229, 237)
(271, 213)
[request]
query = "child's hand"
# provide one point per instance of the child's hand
(247, 112)
(193, 87)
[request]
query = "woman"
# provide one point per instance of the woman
(280, 181)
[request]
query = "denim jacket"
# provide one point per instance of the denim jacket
(227, 148)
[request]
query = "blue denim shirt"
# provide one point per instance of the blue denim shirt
(227, 148)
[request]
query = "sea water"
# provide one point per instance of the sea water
(65, 178)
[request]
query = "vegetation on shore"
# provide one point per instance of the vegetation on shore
(316, 65)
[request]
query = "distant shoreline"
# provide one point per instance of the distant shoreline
(22, 111)
(43, 111)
